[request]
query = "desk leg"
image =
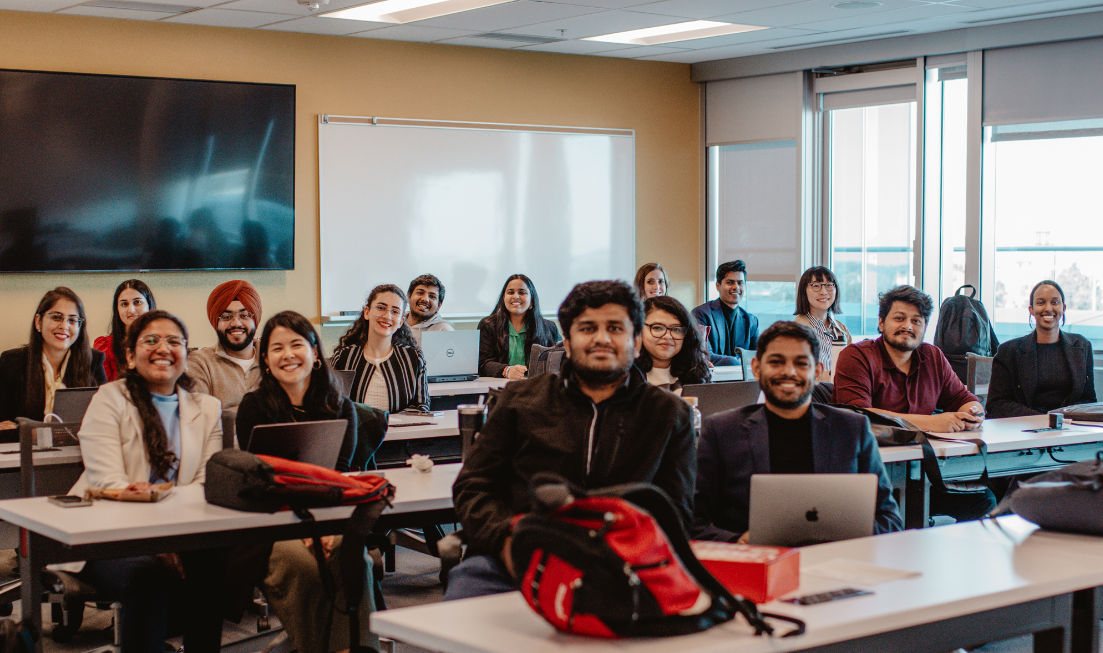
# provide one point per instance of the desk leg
(917, 497)
(1087, 610)
(1059, 639)
(30, 592)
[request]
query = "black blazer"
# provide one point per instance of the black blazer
(13, 382)
(493, 359)
(736, 443)
(1014, 375)
(745, 335)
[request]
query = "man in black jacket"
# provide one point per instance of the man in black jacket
(597, 423)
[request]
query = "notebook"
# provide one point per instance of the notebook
(317, 443)
(451, 355)
(801, 509)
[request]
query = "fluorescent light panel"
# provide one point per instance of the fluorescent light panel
(408, 11)
(695, 29)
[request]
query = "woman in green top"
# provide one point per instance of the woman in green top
(507, 334)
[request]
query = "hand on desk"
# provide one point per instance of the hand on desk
(7, 425)
(949, 422)
(516, 372)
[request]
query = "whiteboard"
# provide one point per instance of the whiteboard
(471, 203)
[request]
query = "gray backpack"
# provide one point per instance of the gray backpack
(1067, 499)
(964, 327)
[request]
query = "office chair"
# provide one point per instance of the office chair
(978, 374)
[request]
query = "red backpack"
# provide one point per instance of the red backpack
(616, 563)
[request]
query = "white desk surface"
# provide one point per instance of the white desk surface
(479, 386)
(9, 456)
(186, 512)
(728, 373)
(445, 424)
(966, 568)
(1005, 434)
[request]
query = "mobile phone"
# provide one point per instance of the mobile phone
(814, 599)
(69, 501)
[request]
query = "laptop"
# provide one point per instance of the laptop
(451, 355)
(344, 380)
(70, 404)
(715, 398)
(317, 443)
(801, 509)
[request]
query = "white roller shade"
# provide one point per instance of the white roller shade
(869, 97)
(754, 109)
(1044, 83)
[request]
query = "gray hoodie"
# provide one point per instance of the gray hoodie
(435, 323)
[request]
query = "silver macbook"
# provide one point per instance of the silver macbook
(70, 404)
(801, 509)
(451, 355)
(715, 398)
(317, 443)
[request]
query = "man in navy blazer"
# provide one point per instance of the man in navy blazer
(789, 434)
(731, 327)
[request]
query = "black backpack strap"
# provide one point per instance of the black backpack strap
(354, 566)
(328, 584)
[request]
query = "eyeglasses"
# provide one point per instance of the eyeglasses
(58, 318)
(659, 330)
(153, 342)
(228, 316)
(817, 286)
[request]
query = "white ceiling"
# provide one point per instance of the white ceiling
(795, 24)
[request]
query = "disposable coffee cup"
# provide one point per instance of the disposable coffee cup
(472, 418)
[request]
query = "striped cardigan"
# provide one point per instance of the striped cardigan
(404, 372)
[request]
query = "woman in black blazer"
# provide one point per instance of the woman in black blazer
(516, 318)
(1046, 369)
(58, 339)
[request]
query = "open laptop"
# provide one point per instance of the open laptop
(70, 404)
(451, 355)
(801, 509)
(715, 398)
(317, 443)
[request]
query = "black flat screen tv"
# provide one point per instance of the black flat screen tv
(102, 172)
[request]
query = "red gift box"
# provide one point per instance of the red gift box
(759, 573)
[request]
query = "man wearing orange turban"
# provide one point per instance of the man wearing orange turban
(231, 368)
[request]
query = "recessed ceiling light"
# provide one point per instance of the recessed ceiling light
(696, 29)
(857, 4)
(408, 11)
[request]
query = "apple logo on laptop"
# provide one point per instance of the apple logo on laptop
(450, 352)
(812, 515)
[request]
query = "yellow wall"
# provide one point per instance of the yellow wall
(363, 77)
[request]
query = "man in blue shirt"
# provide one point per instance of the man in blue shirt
(731, 327)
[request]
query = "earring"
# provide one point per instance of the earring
(317, 364)
(1030, 322)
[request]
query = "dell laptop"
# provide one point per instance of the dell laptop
(802, 509)
(451, 355)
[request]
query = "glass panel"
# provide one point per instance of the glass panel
(872, 205)
(770, 301)
(945, 136)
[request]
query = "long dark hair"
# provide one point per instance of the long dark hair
(821, 274)
(78, 372)
(690, 364)
(118, 329)
(161, 459)
(358, 332)
(641, 277)
(322, 392)
(536, 327)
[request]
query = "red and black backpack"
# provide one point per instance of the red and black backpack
(616, 562)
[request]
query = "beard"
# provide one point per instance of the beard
(599, 376)
(903, 345)
(229, 346)
(781, 402)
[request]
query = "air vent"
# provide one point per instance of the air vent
(516, 38)
(141, 6)
(1037, 14)
(864, 37)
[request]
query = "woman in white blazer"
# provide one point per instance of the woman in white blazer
(145, 428)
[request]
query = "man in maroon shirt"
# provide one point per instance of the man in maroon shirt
(900, 375)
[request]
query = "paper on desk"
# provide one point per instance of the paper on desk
(852, 572)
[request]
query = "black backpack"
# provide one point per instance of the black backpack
(964, 327)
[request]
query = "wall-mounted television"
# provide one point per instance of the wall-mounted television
(103, 172)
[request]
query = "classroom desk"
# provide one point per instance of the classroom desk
(449, 395)
(978, 583)
(722, 373)
(184, 520)
(445, 424)
(67, 468)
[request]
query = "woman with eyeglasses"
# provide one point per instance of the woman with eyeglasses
(507, 335)
(143, 429)
(389, 366)
(132, 298)
(58, 355)
(673, 354)
(651, 281)
(817, 304)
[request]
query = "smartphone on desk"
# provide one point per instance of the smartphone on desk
(69, 501)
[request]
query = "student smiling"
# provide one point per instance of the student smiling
(132, 299)
(506, 336)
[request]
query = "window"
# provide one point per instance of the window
(945, 132)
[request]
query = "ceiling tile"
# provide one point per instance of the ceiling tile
(226, 18)
(632, 53)
(697, 56)
(742, 38)
(897, 16)
(332, 26)
(36, 5)
(508, 16)
(481, 43)
(608, 22)
(1000, 4)
(809, 12)
(290, 7)
(702, 9)
(415, 32)
(603, 4)
(578, 47)
(103, 12)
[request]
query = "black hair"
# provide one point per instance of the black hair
(322, 391)
(78, 371)
(427, 280)
(691, 363)
(909, 295)
(161, 458)
(792, 330)
(731, 266)
(358, 332)
(118, 329)
(595, 294)
(536, 327)
(641, 277)
(821, 274)
(1048, 282)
